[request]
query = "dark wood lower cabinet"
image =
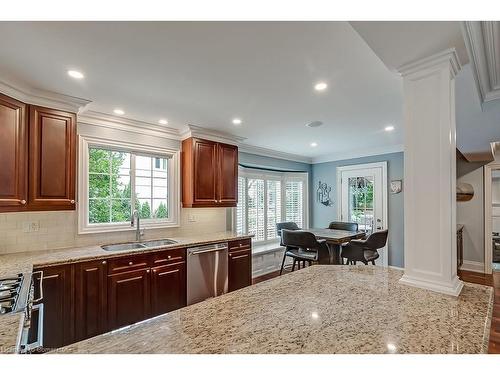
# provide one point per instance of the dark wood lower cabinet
(58, 329)
(90, 299)
(128, 298)
(239, 269)
(85, 299)
(168, 288)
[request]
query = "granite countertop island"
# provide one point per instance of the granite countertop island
(23, 262)
(319, 309)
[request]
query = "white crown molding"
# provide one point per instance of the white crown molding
(447, 56)
(482, 39)
(355, 154)
(44, 98)
(128, 125)
(262, 151)
(210, 134)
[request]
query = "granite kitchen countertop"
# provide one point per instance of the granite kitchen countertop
(14, 263)
(319, 309)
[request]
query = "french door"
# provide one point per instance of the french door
(363, 198)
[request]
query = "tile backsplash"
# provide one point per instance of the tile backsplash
(30, 231)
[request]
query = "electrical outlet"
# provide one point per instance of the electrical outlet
(31, 226)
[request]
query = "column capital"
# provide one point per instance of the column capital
(447, 56)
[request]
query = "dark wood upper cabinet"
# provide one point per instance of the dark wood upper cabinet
(168, 288)
(209, 174)
(227, 174)
(128, 298)
(58, 319)
(52, 159)
(13, 155)
(90, 299)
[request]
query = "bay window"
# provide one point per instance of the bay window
(266, 198)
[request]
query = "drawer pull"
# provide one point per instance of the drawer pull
(22, 201)
(130, 263)
(169, 257)
(103, 262)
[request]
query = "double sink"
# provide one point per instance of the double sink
(138, 245)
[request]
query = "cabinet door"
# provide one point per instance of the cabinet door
(90, 299)
(240, 269)
(58, 306)
(205, 172)
(52, 159)
(128, 298)
(168, 288)
(13, 155)
(227, 180)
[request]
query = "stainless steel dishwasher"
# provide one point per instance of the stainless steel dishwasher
(206, 272)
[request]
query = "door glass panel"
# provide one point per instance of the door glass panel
(360, 190)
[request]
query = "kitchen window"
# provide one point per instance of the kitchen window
(117, 179)
(266, 198)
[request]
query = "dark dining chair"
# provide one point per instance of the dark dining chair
(290, 225)
(365, 250)
(303, 247)
(341, 225)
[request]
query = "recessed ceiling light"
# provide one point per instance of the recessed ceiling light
(314, 124)
(237, 121)
(118, 111)
(320, 86)
(389, 128)
(314, 144)
(163, 121)
(75, 74)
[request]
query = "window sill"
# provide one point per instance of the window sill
(127, 228)
(270, 247)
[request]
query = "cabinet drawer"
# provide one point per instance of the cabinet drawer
(168, 257)
(240, 245)
(129, 263)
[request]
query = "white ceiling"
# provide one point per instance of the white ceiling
(206, 73)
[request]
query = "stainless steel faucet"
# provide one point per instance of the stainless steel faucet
(138, 232)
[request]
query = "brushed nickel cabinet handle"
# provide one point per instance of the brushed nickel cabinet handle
(72, 201)
(23, 201)
(130, 263)
(103, 262)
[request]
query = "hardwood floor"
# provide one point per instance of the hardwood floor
(467, 276)
(475, 277)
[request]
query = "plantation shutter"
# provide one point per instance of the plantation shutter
(273, 204)
(255, 197)
(241, 207)
(294, 191)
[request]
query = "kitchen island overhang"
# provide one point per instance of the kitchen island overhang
(320, 309)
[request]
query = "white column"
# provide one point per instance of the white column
(430, 174)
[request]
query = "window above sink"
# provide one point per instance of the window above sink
(117, 178)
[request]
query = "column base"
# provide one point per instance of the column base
(453, 288)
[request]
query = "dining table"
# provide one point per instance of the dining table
(334, 239)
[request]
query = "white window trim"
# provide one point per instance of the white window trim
(84, 227)
(280, 176)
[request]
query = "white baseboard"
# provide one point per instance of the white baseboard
(453, 288)
(470, 265)
(397, 268)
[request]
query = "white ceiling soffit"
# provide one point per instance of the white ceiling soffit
(400, 43)
(209, 73)
(261, 151)
(482, 39)
(43, 98)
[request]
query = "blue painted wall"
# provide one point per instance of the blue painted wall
(322, 215)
